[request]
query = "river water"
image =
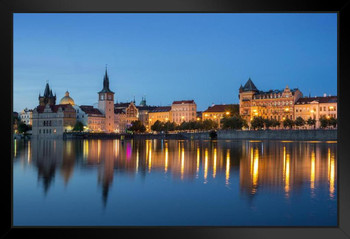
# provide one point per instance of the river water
(174, 183)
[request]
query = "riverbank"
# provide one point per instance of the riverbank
(302, 135)
(318, 134)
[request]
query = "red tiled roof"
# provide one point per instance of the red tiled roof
(219, 108)
(183, 102)
(54, 108)
(90, 110)
(324, 99)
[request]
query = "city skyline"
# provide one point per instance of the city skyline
(145, 55)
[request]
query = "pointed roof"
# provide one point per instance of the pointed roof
(106, 84)
(249, 86)
(47, 90)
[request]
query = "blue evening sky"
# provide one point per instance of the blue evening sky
(168, 57)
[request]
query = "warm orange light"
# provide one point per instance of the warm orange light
(214, 164)
(227, 113)
(313, 170)
(227, 166)
(198, 119)
(214, 116)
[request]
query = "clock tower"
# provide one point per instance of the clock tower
(106, 104)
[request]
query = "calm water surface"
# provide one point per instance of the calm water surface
(174, 183)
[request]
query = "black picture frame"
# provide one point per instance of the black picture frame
(342, 8)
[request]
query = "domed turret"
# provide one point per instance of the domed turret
(66, 99)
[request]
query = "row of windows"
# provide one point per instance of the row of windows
(47, 131)
(330, 108)
(271, 96)
(95, 122)
(47, 123)
(279, 117)
(183, 114)
(182, 109)
(274, 103)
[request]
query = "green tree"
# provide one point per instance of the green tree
(235, 122)
(299, 121)
(22, 127)
(288, 123)
(324, 122)
(137, 127)
(311, 122)
(257, 122)
(157, 126)
(209, 124)
(268, 123)
(79, 126)
(169, 126)
(275, 123)
(333, 122)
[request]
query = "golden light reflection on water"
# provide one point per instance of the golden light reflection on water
(85, 149)
(259, 165)
(198, 161)
(182, 162)
(137, 160)
(313, 171)
(227, 166)
(166, 157)
(331, 173)
(286, 187)
(214, 164)
(149, 156)
(255, 173)
(15, 148)
(29, 152)
(206, 165)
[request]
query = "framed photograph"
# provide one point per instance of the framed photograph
(179, 119)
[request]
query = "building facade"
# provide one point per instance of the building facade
(26, 116)
(51, 120)
(316, 108)
(217, 112)
(162, 113)
(272, 104)
(184, 110)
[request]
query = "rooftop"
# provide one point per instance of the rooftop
(219, 108)
(183, 102)
(161, 109)
(319, 99)
(54, 108)
(90, 110)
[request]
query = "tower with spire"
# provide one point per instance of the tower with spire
(246, 94)
(106, 103)
(48, 97)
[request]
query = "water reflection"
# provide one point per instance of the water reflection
(262, 166)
